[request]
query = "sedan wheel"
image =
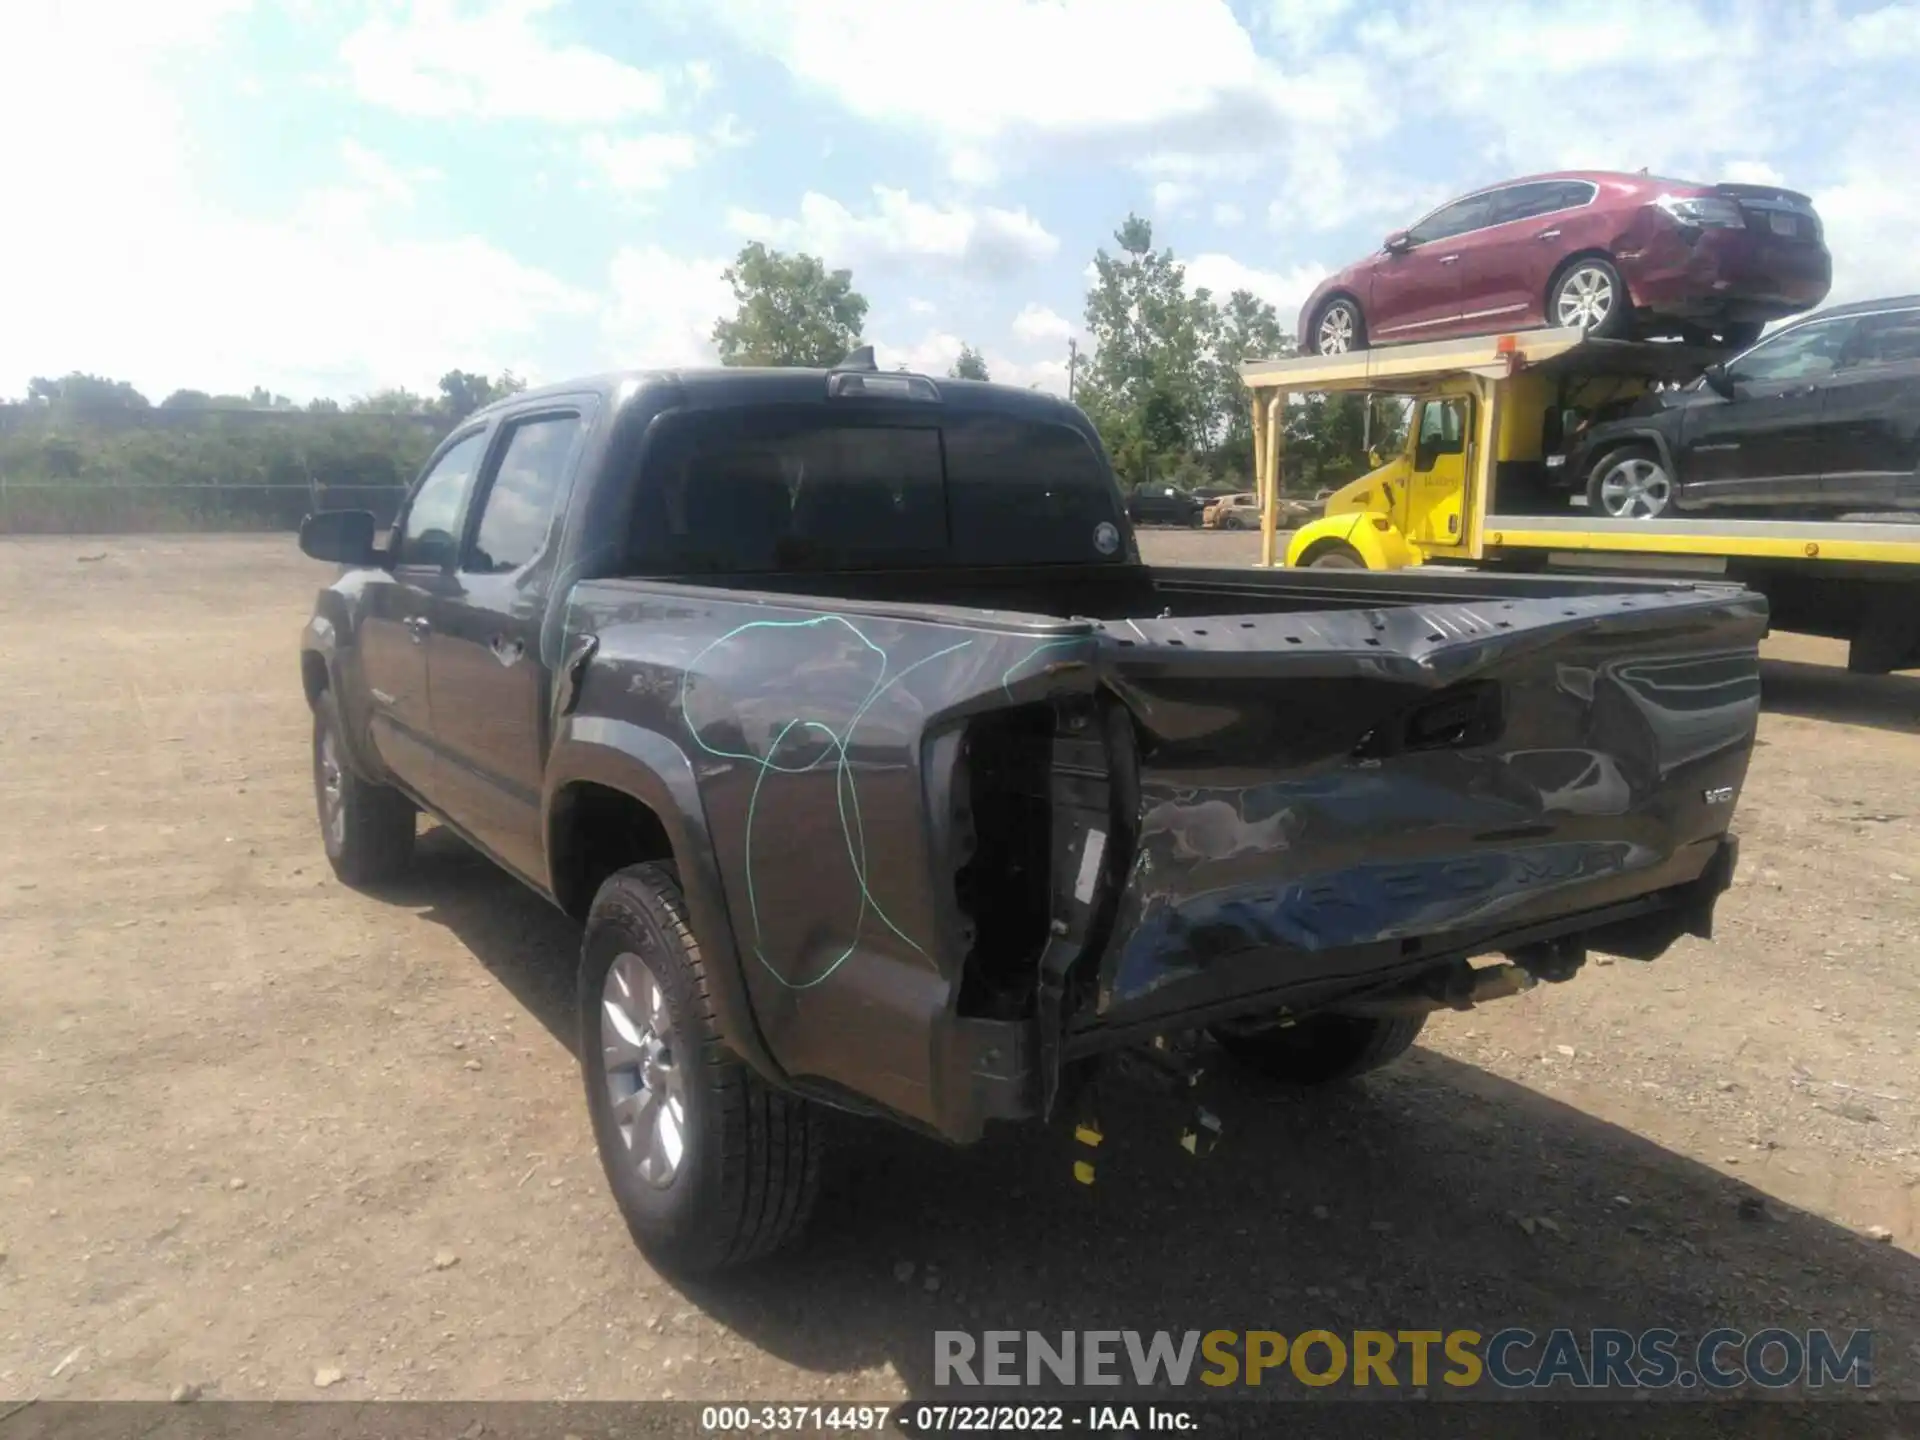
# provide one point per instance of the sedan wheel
(1340, 329)
(1590, 297)
(1630, 485)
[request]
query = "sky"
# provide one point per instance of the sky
(328, 197)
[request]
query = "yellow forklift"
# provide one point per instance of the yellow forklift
(1488, 418)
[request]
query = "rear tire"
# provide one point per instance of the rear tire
(1322, 1048)
(1339, 328)
(1630, 483)
(367, 829)
(1590, 294)
(717, 1168)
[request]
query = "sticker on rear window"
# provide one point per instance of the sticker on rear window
(1106, 537)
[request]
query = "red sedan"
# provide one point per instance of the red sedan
(1626, 256)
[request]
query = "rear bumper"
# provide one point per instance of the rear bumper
(1726, 275)
(991, 1071)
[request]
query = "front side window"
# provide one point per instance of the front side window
(1442, 428)
(430, 533)
(1455, 219)
(1806, 352)
(519, 503)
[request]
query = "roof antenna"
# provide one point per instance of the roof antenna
(858, 359)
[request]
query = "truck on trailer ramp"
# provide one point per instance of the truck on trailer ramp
(1491, 420)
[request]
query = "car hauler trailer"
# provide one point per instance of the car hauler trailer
(1487, 419)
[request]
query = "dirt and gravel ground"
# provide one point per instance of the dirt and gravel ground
(259, 1133)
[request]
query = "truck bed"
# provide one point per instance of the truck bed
(968, 815)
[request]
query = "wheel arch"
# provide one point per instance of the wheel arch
(617, 794)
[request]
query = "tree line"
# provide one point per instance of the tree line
(1160, 382)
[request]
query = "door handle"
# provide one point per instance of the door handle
(418, 627)
(1548, 235)
(1448, 259)
(506, 649)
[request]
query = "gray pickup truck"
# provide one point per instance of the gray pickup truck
(884, 775)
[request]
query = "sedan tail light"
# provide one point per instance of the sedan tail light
(1707, 212)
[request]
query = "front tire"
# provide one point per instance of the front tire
(1322, 1049)
(711, 1167)
(1334, 555)
(367, 829)
(1339, 328)
(1630, 483)
(1589, 295)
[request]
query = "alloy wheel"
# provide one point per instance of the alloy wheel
(1635, 489)
(1584, 298)
(333, 790)
(646, 1087)
(1335, 335)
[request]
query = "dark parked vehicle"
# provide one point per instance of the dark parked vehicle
(1821, 417)
(1625, 256)
(884, 775)
(1164, 505)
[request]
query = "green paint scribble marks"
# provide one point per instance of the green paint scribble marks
(846, 793)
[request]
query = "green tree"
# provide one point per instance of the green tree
(78, 391)
(790, 310)
(1244, 328)
(397, 400)
(1146, 387)
(971, 365)
(463, 391)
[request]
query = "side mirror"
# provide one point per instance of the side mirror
(1398, 243)
(1374, 458)
(1719, 381)
(342, 536)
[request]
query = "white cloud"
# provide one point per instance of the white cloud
(663, 308)
(379, 175)
(935, 352)
(641, 162)
(1014, 81)
(1038, 325)
(1286, 290)
(493, 62)
(1870, 216)
(144, 279)
(917, 306)
(897, 228)
(1752, 172)
(1227, 214)
(1171, 197)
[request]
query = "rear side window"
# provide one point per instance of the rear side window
(1886, 340)
(1022, 493)
(806, 489)
(519, 503)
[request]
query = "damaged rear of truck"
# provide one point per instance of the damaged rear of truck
(886, 775)
(961, 850)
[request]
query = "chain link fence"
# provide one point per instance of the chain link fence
(68, 471)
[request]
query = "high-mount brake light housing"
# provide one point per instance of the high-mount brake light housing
(843, 384)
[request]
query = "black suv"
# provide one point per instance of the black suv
(1821, 417)
(1164, 505)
